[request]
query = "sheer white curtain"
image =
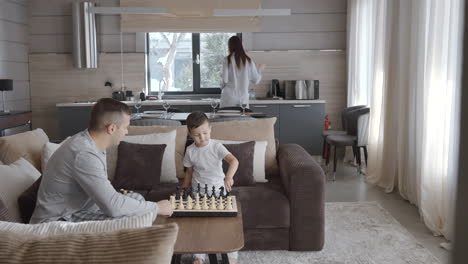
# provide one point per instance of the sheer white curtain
(411, 81)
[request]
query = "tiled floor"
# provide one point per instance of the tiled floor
(349, 187)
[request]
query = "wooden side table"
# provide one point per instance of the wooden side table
(15, 119)
(209, 235)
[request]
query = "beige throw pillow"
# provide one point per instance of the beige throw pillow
(153, 245)
(14, 180)
(47, 152)
(168, 170)
(26, 145)
(181, 139)
(261, 129)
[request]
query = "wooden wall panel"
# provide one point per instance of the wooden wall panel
(329, 67)
(54, 80)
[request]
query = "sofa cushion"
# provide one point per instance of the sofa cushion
(244, 153)
(27, 145)
(153, 244)
(4, 215)
(168, 170)
(247, 130)
(181, 138)
(138, 166)
(263, 206)
(259, 158)
(63, 227)
(161, 192)
(14, 179)
(47, 152)
(27, 201)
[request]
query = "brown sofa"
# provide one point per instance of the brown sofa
(285, 213)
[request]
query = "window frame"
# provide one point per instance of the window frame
(195, 69)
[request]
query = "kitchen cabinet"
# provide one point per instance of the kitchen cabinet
(302, 124)
(299, 122)
(271, 110)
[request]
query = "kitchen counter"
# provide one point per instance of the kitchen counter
(194, 102)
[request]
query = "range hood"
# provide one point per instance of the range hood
(85, 54)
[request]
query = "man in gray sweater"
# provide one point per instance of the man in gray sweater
(75, 186)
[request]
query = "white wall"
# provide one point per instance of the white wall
(14, 32)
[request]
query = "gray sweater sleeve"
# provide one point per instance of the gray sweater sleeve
(91, 175)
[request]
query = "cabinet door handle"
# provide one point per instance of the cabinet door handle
(259, 106)
(301, 106)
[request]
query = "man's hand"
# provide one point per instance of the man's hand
(228, 182)
(165, 208)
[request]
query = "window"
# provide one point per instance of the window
(186, 63)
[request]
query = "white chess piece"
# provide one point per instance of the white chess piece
(220, 203)
(204, 205)
(197, 202)
(229, 203)
(173, 202)
(212, 203)
(181, 204)
(189, 203)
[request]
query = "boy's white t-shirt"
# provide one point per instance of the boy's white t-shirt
(207, 165)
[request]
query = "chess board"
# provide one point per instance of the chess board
(206, 212)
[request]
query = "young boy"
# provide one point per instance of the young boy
(203, 160)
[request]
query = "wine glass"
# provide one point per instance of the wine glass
(166, 107)
(214, 105)
(243, 105)
(138, 106)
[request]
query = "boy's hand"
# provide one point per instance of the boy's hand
(228, 183)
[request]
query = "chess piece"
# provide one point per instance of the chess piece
(221, 191)
(229, 203)
(220, 203)
(197, 202)
(204, 204)
(173, 202)
(206, 189)
(181, 204)
(184, 193)
(189, 203)
(213, 203)
(177, 192)
(198, 188)
(213, 192)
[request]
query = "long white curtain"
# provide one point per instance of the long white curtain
(404, 60)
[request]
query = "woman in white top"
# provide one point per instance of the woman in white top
(238, 71)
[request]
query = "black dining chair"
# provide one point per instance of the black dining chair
(344, 117)
(356, 137)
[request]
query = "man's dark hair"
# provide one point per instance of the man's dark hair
(196, 119)
(107, 111)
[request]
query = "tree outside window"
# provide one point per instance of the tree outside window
(186, 62)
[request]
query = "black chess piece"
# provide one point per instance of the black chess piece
(198, 188)
(221, 191)
(177, 193)
(190, 191)
(213, 192)
(227, 194)
(206, 190)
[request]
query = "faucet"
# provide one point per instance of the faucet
(160, 94)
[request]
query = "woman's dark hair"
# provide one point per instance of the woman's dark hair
(236, 48)
(196, 119)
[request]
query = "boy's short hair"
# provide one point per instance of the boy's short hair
(107, 111)
(196, 119)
